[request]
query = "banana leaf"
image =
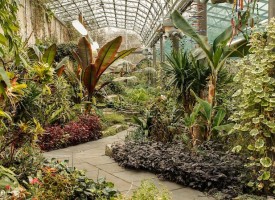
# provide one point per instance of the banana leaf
(85, 53)
(4, 76)
(107, 55)
(49, 54)
(187, 29)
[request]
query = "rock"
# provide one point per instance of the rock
(109, 150)
(112, 98)
(130, 79)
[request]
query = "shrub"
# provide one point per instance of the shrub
(48, 108)
(85, 129)
(55, 180)
(64, 50)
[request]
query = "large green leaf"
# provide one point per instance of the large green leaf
(34, 54)
(4, 76)
(85, 53)
(123, 54)
(187, 29)
(219, 117)
(239, 48)
(3, 39)
(64, 61)
(49, 54)
(107, 55)
(223, 38)
(234, 50)
(206, 108)
(225, 127)
(5, 115)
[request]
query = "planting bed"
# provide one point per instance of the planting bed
(209, 168)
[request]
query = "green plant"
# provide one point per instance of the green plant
(9, 185)
(113, 118)
(148, 191)
(255, 107)
(186, 74)
(139, 96)
(217, 54)
(9, 24)
(64, 50)
(56, 180)
(51, 104)
(202, 118)
(92, 71)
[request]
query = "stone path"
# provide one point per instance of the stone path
(91, 157)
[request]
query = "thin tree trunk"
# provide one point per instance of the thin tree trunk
(196, 134)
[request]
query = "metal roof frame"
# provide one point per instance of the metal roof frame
(141, 16)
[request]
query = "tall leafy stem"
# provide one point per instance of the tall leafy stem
(218, 53)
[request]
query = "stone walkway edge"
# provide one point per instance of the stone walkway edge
(91, 157)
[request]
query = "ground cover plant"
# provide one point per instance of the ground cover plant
(86, 128)
(209, 168)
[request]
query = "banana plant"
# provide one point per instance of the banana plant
(91, 71)
(218, 53)
(202, 115)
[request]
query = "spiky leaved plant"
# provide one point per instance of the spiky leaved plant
(255, 106)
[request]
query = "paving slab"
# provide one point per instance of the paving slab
(91, 157)
(111, 168)
(134, 175)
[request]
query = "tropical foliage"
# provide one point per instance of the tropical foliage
(92, 71)
(255, 106)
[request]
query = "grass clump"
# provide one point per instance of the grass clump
(113, 118)
(148, 191)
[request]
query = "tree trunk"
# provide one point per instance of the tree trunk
(212, 90)
(196, 134)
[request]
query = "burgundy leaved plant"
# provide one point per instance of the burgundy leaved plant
(85, 129)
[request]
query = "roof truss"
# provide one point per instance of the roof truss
(141, 16)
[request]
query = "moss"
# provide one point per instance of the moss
(113, 118)
(113, 130)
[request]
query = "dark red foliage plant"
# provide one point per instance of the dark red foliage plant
(85, 129)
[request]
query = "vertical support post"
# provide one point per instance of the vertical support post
(154, 57)
(175, 42)
(161, 49)
(271, 9)
(202, 18)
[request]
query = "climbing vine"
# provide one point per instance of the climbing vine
(40, 14)
(9, 25)
(255, 102)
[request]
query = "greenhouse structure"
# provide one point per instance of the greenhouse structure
(137, 99)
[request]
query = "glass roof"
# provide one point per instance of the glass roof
(141, 16)
(219, 16)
